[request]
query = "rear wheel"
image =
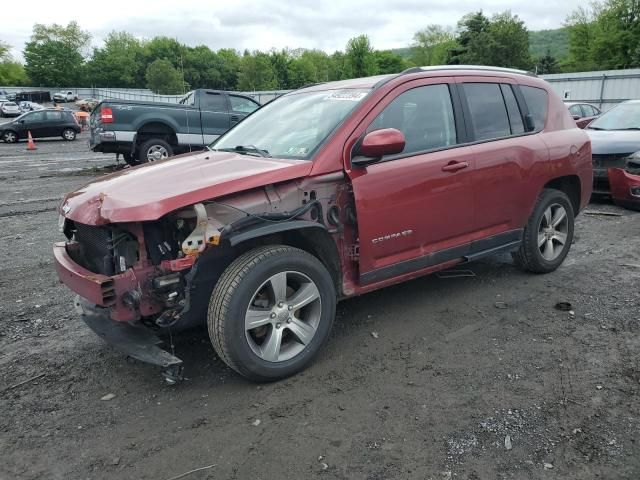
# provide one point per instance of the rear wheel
(548, 233)
(9, 137)
(69, 134)
(153, 150)
(271, 312)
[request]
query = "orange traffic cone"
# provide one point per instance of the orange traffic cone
(31, 144)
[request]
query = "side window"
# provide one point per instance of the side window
(242, 104)
(213, 102)
(488, 110)
(54, 116)
(515, 116)
(537, 100)
(424, 115)
(588, 110)
(575, 110)
(34, 117)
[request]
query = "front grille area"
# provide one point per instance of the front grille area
(610, 161)
(96, 248)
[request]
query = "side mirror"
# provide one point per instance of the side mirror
(529, 123)
(377, 144)
(576, 117)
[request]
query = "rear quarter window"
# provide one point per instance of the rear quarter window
(537, 101)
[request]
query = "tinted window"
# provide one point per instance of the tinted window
(34, 117)
(515, 117)
(488, 111)
(242, 104)
(575, 110)
(54, 116)
(537, 100)
(213, 102)
(588, 110)
(424, 115)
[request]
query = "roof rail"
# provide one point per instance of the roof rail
(483, 68)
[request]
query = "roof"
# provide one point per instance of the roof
(372, 82)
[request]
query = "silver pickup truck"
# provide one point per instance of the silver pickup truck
(147, 131)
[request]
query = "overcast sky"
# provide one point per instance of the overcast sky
(266, 24)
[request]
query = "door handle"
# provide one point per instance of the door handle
(235, 118)
(454, 166)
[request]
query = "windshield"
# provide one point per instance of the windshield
(292, 126)
(623, 117)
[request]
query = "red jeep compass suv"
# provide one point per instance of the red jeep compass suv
(330, 191)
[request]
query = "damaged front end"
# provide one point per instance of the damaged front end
(624, 183)
(139, 279)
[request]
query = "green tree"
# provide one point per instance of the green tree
(432, 46)
(229, 68)
(120, 63)
(389, 62)
(359, 57)
(163, 78)
(202, 68)
(256, 73)
(547, 64)
(582, 35)
(302, 72)
(55, 55)
(281, 63)
(471, 38)
(11, 72)
(509, 39)
(338, 67)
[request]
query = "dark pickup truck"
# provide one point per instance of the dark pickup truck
(148, 131)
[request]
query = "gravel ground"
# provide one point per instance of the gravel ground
(439, 378)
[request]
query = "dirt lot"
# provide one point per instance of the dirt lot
(434, 379)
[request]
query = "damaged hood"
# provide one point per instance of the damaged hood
(614, 142)
(150, 191)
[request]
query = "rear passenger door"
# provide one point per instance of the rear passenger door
(53, 123)
(214, 115)
(507, 158)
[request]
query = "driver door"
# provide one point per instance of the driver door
(33, 122)
(415, 209)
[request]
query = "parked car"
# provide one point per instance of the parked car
(30, 106)
(41, 124)
(67, 96)
(10, 109)
(149, 131)
(615, 137)
(583, 113)
(325, 193)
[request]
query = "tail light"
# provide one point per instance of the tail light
(106, 115)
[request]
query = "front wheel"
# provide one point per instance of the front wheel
(548, 233)
(271, 311)
(9, 137)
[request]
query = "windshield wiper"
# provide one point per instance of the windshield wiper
(245, 150)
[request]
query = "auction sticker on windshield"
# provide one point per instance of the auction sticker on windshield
(349, 95)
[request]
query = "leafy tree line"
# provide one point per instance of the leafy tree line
(604, 36)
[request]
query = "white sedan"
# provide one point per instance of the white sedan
(10, 109)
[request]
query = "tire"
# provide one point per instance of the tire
(548, 235)
(250, 279)
(153, 150)
(9, 137)
(69, 134)
(129, 159)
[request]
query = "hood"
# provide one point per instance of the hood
(614, 142)
(148, 192)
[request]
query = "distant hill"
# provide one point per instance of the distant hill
(556, 41)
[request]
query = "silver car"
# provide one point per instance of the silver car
(10, 109)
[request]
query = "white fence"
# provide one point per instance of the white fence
(132, 93)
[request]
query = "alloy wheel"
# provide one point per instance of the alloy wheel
(156, 152)
(283, 316)
(553, 231)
